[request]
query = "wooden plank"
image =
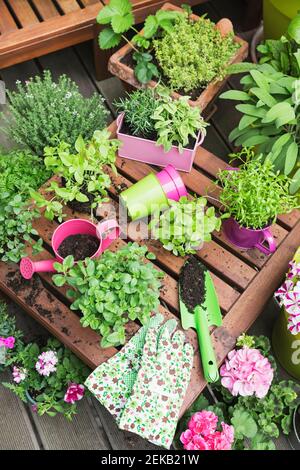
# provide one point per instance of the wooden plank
(89, 2)
(68, 6)
(46, 9)
(16, 431)
(7, 23)
(24, 12)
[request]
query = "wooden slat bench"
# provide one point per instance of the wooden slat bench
(244, 280)
(32, 28)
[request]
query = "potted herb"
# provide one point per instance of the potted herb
(251, 407)
(253, 195)
(111, 290)
(82, 172)
(42, 110)
(184, 227)
(20, 172)
(10, 337)
(49, 378)
(189, 54)
(286, 332)
(157, 130)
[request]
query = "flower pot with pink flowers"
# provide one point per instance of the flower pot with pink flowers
(248, 408)
(157, 130)
(49, 378)
(253, 195)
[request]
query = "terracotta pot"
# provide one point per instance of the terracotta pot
(126, 73)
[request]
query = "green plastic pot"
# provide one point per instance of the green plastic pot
(285, 345)
(277, 15)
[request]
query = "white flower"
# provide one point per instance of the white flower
(19, 374)
(46, 363)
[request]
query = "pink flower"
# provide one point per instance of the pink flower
(8, 343)
(292, 302)
(286, 287)
(294, 270)
(294, 324)
(74, 393)
(247, 372)
(34, 408)
(46, 363)
(19, 374)
(203, 422)
(202, 433)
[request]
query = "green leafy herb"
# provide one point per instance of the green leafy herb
(112, 290)
(8, 328)
(185, 225)
(42, 110)
(255, 194)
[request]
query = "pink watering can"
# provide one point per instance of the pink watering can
(106, 231)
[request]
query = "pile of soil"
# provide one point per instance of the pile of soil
(191, 282)
(81, 246)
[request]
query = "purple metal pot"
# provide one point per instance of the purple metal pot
(247, 238)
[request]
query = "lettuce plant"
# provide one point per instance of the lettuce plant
(82, 172)
(111, 290)
(184, 227)
(41, 110)
(255, 194)
(193, 53)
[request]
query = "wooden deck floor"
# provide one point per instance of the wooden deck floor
(93, 427)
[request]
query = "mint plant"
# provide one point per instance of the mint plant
(82, 172)
(52, 376)
(193, 53)
(41, 110)
(21, 172)
(184, 227)
(255, 194)
(111, 290)
(118, 17)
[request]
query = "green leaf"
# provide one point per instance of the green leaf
(246, 121)
(121, 6)
(279, 110)
(121, 24)
(79, 145)
(294, 29)
(295, 185)
(243, 423)
(59, 280)
(241, 67)
(255, 140)
(260, 79)
(264, 96)
(280, 142)
(80, 197)
(105, 15)
(150, 26)
(291, 158)
(108, 38)
(235, 95)
(251, 110)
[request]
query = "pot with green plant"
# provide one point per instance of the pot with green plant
(49, 378)
(253, 195)
(112, 290)
(82, 172)
(185, 226)
(188, 53)
(155, 129)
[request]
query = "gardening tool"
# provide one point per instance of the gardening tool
(247, 238)
(106, 231)
(205, 315)
(153, 192)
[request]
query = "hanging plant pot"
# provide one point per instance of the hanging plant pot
(247, 238)
(146, 150)
(121, 66)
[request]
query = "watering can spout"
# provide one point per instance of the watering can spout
(29, 267)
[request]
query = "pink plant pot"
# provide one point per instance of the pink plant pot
(247, 238)
(146, 151)
(106, 231)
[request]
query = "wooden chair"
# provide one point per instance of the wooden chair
(32, 28)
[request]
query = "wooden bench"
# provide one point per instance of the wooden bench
(244, 280)
(32, 28)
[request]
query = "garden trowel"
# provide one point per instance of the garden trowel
(199, 309)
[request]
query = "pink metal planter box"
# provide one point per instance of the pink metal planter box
(146, 151)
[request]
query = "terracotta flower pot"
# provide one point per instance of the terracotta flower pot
(126, 73)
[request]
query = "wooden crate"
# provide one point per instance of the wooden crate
(244, 280)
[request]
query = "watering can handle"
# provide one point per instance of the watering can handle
(110, 228)
(200, 139)
(268, 237)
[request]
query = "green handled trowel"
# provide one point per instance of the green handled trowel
(204, 314)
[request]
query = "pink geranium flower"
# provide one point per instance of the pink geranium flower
(46, 363)
(74, 393)
(8, 343)
(19, 374)
(247, 372)
(202, 433)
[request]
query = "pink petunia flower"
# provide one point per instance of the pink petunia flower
(46, 363)
(294, 324)
(286, 287)
(294, 270)
(19, 374)
(291, 302)
(247, 372)
(8, 343)
(74, 393)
